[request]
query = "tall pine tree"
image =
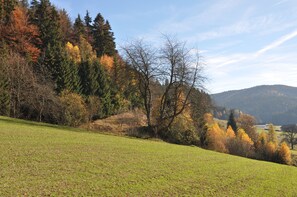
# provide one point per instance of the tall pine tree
(98, 35)
(231, 122)
(88, 29)
(88, 78)
(104, 91)
(46, 17)
(78, 28)
(109, 40)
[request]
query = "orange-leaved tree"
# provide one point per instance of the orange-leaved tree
(22, 36)
(243, 144)
(284, 154)
(107, 62)
(230, 134)
(216, 138)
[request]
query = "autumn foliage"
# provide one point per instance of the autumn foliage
(230, 134)
(216, 138)
(284, 154)
(73, 52)
(21, 35)
(265, 148)
(107, 62)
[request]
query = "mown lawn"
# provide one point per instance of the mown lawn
(45, 160)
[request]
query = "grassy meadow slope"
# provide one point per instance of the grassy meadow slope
(40, 160)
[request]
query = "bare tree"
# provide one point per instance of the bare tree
(143, 59)
(290, 134)
(181, 69)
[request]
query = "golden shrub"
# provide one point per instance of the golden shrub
(284, 153)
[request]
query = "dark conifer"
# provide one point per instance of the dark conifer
(46, 17)
(88, 76)
(109, 40)
(98, 35)
(231, 122)
(78, 28)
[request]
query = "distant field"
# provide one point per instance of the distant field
(46, 160)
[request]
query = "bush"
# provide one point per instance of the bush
(75, 112)
(93, 104)
(182, 131)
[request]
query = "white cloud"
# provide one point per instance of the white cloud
(278, 42)
(279, 3)
(269, 68)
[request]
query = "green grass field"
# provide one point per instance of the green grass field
(46, 160)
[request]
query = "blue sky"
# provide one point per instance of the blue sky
(244, 43)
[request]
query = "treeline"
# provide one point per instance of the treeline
(241, 138)
(56, 71)
(63, 72)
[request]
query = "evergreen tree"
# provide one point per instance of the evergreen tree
(98, 35)
(63, 70)
(231, 122)
(103, 37)
(63, 80)
(103, 91)
(74, 78)
(88, 21)
(109, 40)
(46, 17)
(65, 26)
(88, 76)
(78, 28)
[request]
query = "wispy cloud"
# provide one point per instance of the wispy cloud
(278, 42)
(246, 70)
(222, 61)
(279, 3)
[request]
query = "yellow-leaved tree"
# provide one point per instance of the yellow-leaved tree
(270, 151)
(107, 62)
(243, 136)
(73, 52)
(241, 145)
(284, 154)
(230, 134)
(216, 138)
(86, 51)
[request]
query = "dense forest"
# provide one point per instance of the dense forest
(68, 72)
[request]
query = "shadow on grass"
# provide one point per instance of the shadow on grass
(32, 123)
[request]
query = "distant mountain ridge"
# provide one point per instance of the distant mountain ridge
(275, 104)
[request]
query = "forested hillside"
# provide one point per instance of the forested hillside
(63, 72)
(275, 104)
